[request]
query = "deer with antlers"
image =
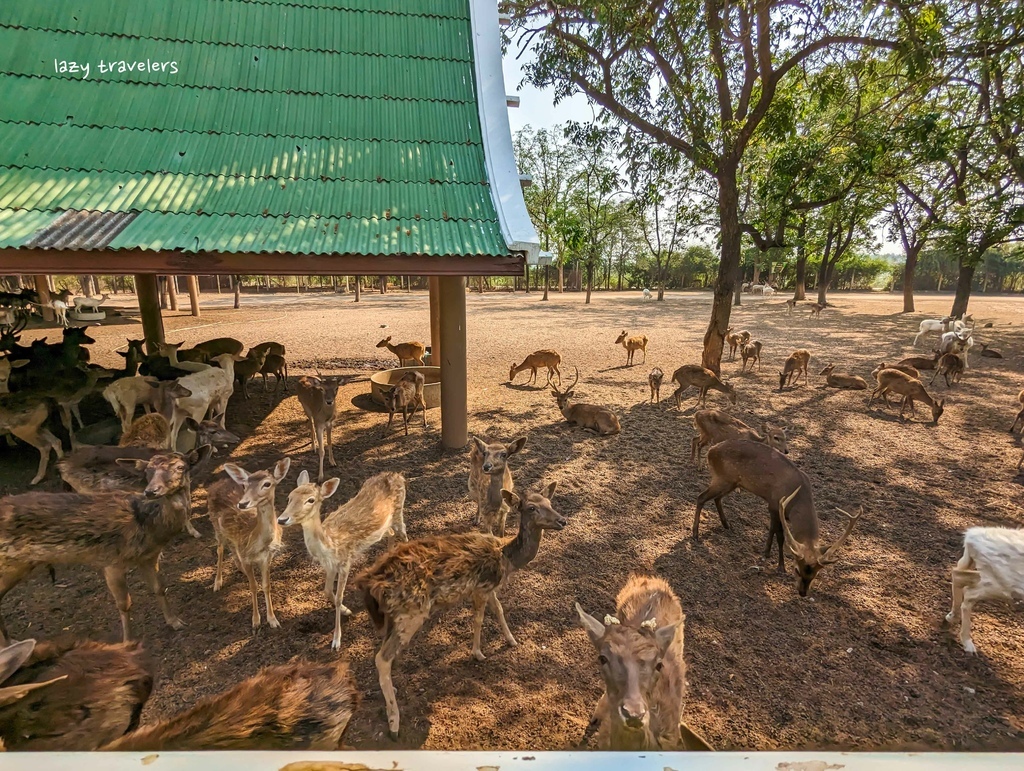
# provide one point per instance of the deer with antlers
(632, 345)
(536, 360)
(589, 416)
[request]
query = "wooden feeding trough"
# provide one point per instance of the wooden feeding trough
(383, 381)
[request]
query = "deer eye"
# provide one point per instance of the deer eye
(502, 456)
(531, 507)
(602, 660)
(659, 666)
(266, 485)
(311, 501)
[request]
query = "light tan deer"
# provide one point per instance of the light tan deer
(406, 352)
(704, 380)
(816, 309)
(834, 379)
(1020, 415)
(544, 358)
(247, 367)
(714, 426)
(632, 345)
(735, 341)
(489, 474)
(911, 389)
(796, 362)
(654, 381)
(912, 371)
(772, 477)
(406, 394)
(348, 531)
(589, 416)
(951, 367)
(318, 397)
(242, 511)
(751, 352)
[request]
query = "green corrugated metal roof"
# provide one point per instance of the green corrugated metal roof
(306, 126)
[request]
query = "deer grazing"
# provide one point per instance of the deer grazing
(377, 510)
(297, 706)
(714, 426)
(109, 531)
(951, 367)
(816, 309)
(406, 352)
(796, 362)
(601, 420)
(632, 345)
(834, 379)
(704, 380)
(536, 360)
(640, 654)
(751, 352)
(489, 474)
(413, 580)
(405, 395)
(654, 381)
(318, 397)
(736, 340)
(1019, 420)
(911, 389)
(772, 477)
(241, 508)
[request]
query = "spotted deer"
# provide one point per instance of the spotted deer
(735, 340)
(703, 380)
(600, 420)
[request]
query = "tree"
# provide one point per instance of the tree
(839, 227)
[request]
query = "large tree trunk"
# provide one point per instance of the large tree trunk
(801, 261)
(908, 278)
(823, 280)
(963, 290)
(237, 281)
(561, 278)
(721, 310)
(590, 280)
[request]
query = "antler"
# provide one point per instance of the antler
(791, 542)
(827, 557)
(570, 387)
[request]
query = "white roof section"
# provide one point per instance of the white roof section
(506, 191)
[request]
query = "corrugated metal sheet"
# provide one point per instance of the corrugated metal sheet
(307, 126)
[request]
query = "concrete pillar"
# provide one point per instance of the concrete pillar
(43, 290)
(435, 321)
(193, 294)
(452, 297)
(148, 291)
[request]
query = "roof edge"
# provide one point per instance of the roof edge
(506, 192)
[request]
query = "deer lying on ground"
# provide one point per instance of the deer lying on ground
(219, 346)
(414, 580)
(772, 477)
(816, 309)
(24, 415)
(919, 362)
(536, 360)
(601, 420)
(989, 353)
(406, 352)
(654, 381)
(345, 534)
(1020, 415)
(318, 397)
(951, 367)
(704, 380)
(298, 706)
(406, 395)
(109, 531)
(640, 653)
(751, 352)
(241, 509)
(714, 426)
(991, 568)
(489, 474)
(838, 380)
(905, 368)
(911, 389)
(70, 696)
(152, 430)
(735, 341)
(796, 363)
(632, 345)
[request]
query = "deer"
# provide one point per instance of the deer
(346, 533)
(193, 361)
(790, 305)
(126, 394)
(796, 362)
(714, 426)
(600, 420)
(109, 531)
(533, 362)
(1019, 420)
(704, 380)
(951, 367)
(406, 394)
(905, 368)
(411, 352)
(772, 477)
(834, 379)
(24, 415)
(489, 474)
(654, 381)
(911, 389)
(751, 352)
(942, 326)
(415, 579)
(7, 366)
(990, 353)
(318, 397)
(919, 362)
(632, 345)
(247, 367)
(735, 340)
(210, 391)
(297, 706)
(640, 654)
(69, 695)
(241, 509)
(275, 364)
(816, 309)
(219, 346)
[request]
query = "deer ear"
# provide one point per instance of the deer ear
(516, 446)
(281, 468)
(594, 628)
(303, 478)
(13, 656)
(549, 491)
(238, 474)
(199, 454)
(664, 636)
(479, 443)
(330, 487)
(510, 498)
(16, 365)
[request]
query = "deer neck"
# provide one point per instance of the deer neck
(266, 517)
(520, 552)
(316, 539)
(495, 484)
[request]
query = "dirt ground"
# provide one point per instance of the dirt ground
(865, 663)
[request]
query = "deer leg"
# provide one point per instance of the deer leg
(495, 605)
(966, 604)
(76, 414)
(11, 577)
(151, 575)
(265, 581)
(398, 524)
(339, 606)
(401, 632)
(405, 418)
(117, 583)
(312, 431)
(423, 406)
(479, 608)
(218, 579)
(694, 448)
(713, 491)
(253, 591)
(319, 442)
(329, 583)
(330, 443)
(43, 441)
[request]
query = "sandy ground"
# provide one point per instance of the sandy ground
(864, 663)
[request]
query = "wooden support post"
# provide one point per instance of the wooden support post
(435, 321)
(43, 290)
(359, 281)
(218, 282)
(148, 291)
(193, 294)
(172, 291)
(454, 419)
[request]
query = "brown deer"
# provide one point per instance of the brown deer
(951, 367)
(834, 379)
(109, 531)
(790, 305)
(406, 394)
(318, 397)
(920, 362)
(632, 345)
(640, 654)
(714, 426)
(751, 352)
(816, 309)
(912, 371)
(414, 580)
(735, 341)
(24, 415)
(704, 380)
(216, 347)
(70, 696)
(489, 474)
(589, 416)
(241, 508)
(911, 389)
(275, 364)
(377, 510)
(796, 362)
(536, 360)
(298, 706)
(772, 477)
(7, 365)
(654, 381)
(406, 352)
(1020, 415)
(247, 367)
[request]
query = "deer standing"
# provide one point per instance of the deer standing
(318, 397)
(654, 381)
(536, 360)
(951, 367)
(735, 340)
(751, 352)
(406, 394)
(714, 426)
(796, 362)
(704, 380)
(601, 420)
(911, 389)
(411, 352)
(632, 345)
(1020, 415)
(489, 474)
(816, 309)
